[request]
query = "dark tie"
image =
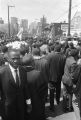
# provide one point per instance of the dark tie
(17, 77)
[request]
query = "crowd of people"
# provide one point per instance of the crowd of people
(27, 73)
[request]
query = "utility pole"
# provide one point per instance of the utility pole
(9, 20)
(69, 17)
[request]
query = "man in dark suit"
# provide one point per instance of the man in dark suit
(13, 88)
(56, 63)
(41, 64)
(38, 86)
(38, 91)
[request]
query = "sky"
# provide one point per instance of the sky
(33, 10)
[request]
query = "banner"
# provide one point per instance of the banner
(19, 35)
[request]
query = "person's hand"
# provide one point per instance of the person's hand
(0, 118)
(28, 101)
(29, 105)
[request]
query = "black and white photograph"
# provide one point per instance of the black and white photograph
(40, 59)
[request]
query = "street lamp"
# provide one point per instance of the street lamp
(9, 20)
(69, 17)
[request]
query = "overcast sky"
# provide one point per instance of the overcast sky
(33, 10)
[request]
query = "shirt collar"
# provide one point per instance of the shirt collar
(12, 68)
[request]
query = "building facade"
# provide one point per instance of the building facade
(75, 25)
(24, 25)
(1, 21)
(14, 27)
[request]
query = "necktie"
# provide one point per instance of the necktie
(17, 77)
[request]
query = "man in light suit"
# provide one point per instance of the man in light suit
(13, 88)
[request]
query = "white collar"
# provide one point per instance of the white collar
(13, 71)
(12, 68)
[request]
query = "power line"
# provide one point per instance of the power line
(67, 11)
(12, 2)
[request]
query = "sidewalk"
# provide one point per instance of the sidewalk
(58, 114)
(67, 116)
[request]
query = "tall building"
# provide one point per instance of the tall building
(42, 24)
(14, 27)
(1, 21)
(56, 29)
(33, 29)
(4, 28)
(14, 20)
(76, 23)
(64, 28)
(39, 29)
(24, 25)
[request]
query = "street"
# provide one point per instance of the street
(58, 113)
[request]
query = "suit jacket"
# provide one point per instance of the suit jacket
(38, 89)
(76, 75)
(2, 60)
(41, 64)
(13, 98)
(56, 63)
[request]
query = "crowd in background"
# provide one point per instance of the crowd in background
(45, 65)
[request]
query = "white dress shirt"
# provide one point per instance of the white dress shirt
(13, 73)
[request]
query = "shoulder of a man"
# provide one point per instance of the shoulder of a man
(3, 68)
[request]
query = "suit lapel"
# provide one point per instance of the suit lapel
(21, 76)
(11, 79)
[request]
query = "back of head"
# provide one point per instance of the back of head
(74, 52)
(71, 45)
(27, 60)
(23, 51)
(36, 52)
(66, 44)
(57, 48)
